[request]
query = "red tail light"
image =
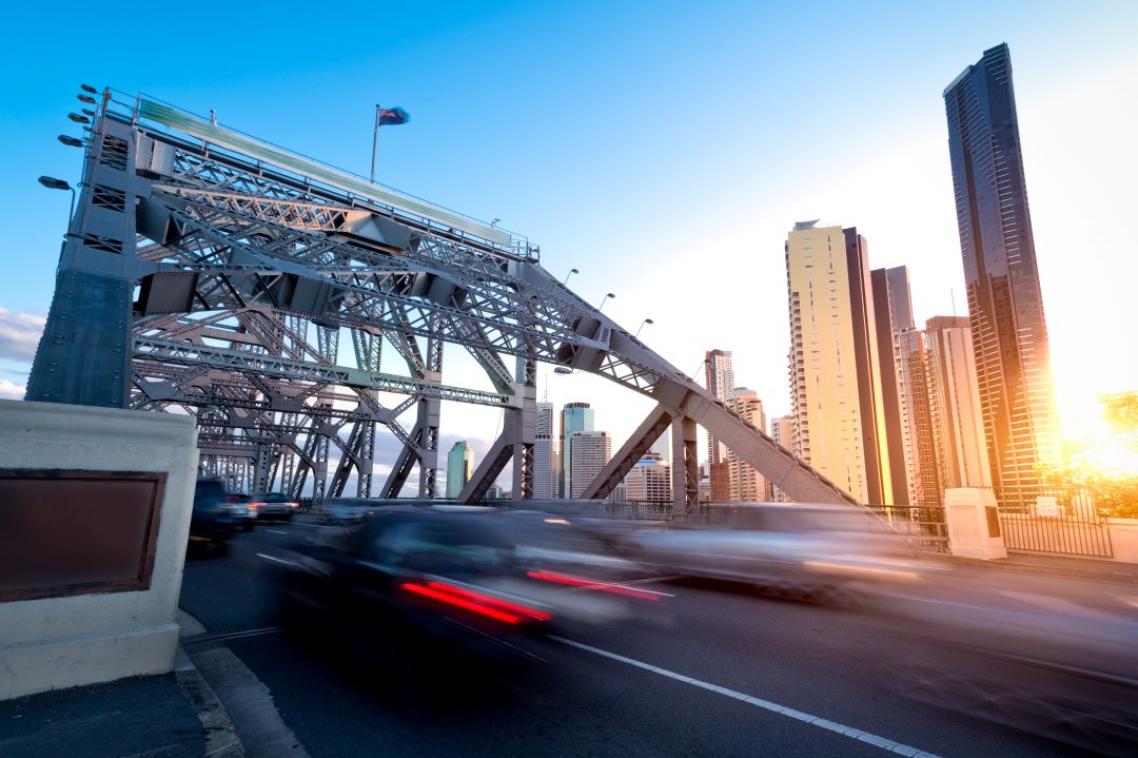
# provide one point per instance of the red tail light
(592, 584)
(485, 605)
(255, 505)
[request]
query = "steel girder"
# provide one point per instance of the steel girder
(206, 222)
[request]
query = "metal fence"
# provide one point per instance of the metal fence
(1063, 531)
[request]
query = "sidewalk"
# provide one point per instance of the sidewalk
(174, 715)
(1077, 568)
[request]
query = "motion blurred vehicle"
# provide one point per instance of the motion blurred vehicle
(242, 510)
(345, 511)
(812, 552)
(213, 520)
(274, 505)
(455, 570)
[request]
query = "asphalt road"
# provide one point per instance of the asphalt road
(720, 673)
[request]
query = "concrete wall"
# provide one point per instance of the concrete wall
(68, 641)
(1124, 538)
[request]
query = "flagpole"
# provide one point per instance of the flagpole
(374, 141)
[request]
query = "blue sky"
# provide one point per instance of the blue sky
(662, 148)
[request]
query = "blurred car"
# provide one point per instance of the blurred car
(805, 551)
(274, 505)
(345, 511)
(242, 509)
(447, 569)
(213, 520)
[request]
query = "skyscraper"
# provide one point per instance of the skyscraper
(575, 417)
(781, 431)
(954, 404)
(720, 381)
(460, 467)
(922, 479)
(544, 468)
(746, 485)
(591, 450)
(834, 370)
(1005, 304)
(650, 480)
(893, 309)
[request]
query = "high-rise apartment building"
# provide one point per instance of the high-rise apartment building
(590, 452)
(922, 479)
(746, 485)
(650, 480)
(834, 369)
(575, 417)
(720, 381)
(954, 404)
(544, 455)
(1005, 303)
(544, 468)
(782, 432)
(460, 467)
(893, 311)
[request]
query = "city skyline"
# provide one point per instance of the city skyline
(1044, 123)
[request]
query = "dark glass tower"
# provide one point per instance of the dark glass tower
(1005, 306)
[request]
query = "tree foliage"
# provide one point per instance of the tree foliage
(1115, 492)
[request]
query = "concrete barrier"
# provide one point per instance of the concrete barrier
(973, 523)
(1124, 538)
(76, 638)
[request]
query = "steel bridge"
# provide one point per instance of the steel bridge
(205, 271)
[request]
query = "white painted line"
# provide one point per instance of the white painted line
(832, 726)
(275, 559)
(276, 531)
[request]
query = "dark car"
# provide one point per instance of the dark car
(274, 505)
(213, 520)
(450, 568)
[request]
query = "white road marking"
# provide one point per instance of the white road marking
(276, 531)
(847, 731)
(275, 559)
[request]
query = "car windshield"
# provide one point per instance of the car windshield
(209, 491)
(272, 497)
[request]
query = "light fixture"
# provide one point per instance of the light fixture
(88, 88)
(86, 99)
(70, 141)
(605, 299)
(571, 272)
(78, 119)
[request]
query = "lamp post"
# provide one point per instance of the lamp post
(571, 272)
(604, 300)
(643, 323)
(58, 184)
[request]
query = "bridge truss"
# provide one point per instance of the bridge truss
(208, 272)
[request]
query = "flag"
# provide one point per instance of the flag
(390, 116)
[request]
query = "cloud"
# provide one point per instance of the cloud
(11, 390)
(19, 334)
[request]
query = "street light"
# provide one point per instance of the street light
(58, 184)
(604, 300)
(86, 99)
(88, 88)
(643, 323)
(70, 141)
(571, 272)
(562, 370)
(78, 119)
